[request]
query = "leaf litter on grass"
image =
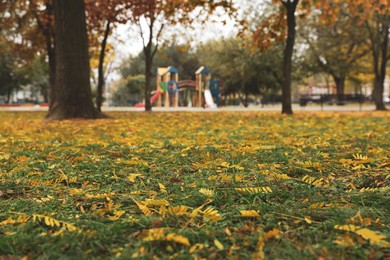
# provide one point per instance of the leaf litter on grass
(196, 185)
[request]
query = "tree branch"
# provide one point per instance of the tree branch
(158, 37)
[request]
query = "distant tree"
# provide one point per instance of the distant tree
(335, 48)
(102, 17)
(377, 23)
(74, 98)
(374, 16)
(181, 56)
(37, 76)
(10, 74)
(281, 26)
(244, 71)
(133, 65)
(129, 91)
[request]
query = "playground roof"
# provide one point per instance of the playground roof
(203, 70)
(172, 69)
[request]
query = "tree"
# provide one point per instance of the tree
(335, 46)
(181, 56)
(152, 16)
(30, 25)
(74, 98)
(42, 12)
(129, 91)
(374, 15)
(102, 16)
(245, 71)
(377, 24)
(291, 7)
(270, 32)
(10, 73)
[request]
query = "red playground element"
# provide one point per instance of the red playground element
(152, 99)
(155, 96)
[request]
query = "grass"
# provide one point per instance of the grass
(196, 185)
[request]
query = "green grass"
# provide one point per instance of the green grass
(115, 186)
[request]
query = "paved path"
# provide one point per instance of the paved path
(269, 108)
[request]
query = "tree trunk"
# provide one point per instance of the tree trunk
(8, 97)
(340, 89)
(377, 93)
(149, 56)
(379, 51)
(72, 81)
(52, 73)
(148, 79)
(101, 81)
(288, 53)
(48, 32)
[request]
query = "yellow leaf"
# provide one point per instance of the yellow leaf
(308, 220)
(162, 188)
(23, 159)
(249, 213)
(178, 239)
(117, 215)
(345, 241)
(133, 176)
(207, 192)
(136, 161)
(5, 156)
(150, 202)
(272, 233)
(196, 211)
(260, 248)
(278, 176)
(351, 228)
(218, 244)
(178, 210)
(212, 214)
(318, 205)
(373, 237)
(225, 164)
(254, 190)
(47, 221)
(8, 221)
(196, 247)
(143, 208)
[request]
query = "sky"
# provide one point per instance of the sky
(131, 43)
(127, 40)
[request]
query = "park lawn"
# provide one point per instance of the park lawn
(203, 185)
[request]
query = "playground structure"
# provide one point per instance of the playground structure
(203, 92)
(167, 87)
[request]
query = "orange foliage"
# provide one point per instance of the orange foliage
(274, 30)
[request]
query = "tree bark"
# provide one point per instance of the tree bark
(379, 49)
(101, 81)
(149, 54)
(340, 88)
(287, 58)
(48, 32)
(72, 81)
(52, 74)
(148, 76)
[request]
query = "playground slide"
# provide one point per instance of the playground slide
(155, 96)
(209, 99)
